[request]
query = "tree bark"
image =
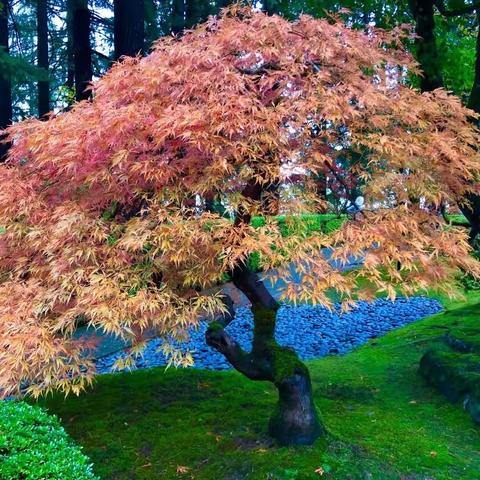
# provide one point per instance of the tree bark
(82, 52)
(426, 45)
(471, 211)
(42, 57)
(295, 420)
(194, 12)
(129, 27)
(6, 113)
(70, 82)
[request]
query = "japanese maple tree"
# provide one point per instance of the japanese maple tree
(105, 209)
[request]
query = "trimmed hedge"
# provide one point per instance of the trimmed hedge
(34, 446)
(458, 219)
(305, 224)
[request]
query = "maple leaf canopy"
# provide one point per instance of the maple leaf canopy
(102, 207)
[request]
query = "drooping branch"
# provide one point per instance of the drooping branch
(106, 22)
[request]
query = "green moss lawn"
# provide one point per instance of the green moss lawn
(384, 422)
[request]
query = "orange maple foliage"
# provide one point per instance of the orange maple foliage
(96, 203)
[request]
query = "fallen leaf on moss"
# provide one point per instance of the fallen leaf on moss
(182, 469)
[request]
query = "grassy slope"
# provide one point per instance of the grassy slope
(384, 422)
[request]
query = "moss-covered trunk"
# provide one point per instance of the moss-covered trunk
(295, 420)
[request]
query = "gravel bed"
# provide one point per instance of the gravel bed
(313, 331)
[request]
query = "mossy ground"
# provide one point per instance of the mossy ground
(384, 421)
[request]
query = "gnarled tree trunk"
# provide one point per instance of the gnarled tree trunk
(295, 420)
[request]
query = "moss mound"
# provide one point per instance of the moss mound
(454, 368)
(464, 340)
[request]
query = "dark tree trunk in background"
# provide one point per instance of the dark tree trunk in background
(427, 56)
(270, 6)
(82, 52)
(70, 83)
(178, 16)
(474, 100)
(195, 12)
(426, 45)
(189, 13)
(129, 27)
(472, 209)
(5, 82)
(42, 55)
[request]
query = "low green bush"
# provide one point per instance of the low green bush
(34, 446)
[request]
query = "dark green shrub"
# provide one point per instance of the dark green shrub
(469, 282)
(34, 446)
